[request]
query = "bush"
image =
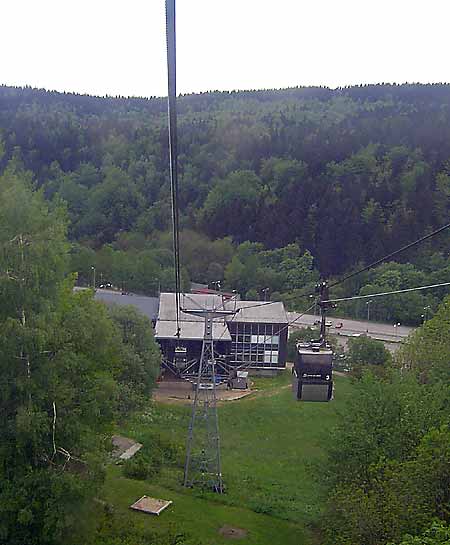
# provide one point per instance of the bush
(142, 466)
(147, 463)
(366, 351)
(437, 534)
(117, 530)
(388, 465)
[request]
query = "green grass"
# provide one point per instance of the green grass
(197, 517)
(270, 445)
(263, 383)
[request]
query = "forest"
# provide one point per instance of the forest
(277, 188)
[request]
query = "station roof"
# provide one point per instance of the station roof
(188, 301)
(258, 312)
(192, 326)
(192, 331)
(147, 305)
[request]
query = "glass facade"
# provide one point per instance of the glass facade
(257, 344)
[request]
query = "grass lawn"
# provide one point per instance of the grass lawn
(270, 445)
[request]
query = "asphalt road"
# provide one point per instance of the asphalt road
(351, 328)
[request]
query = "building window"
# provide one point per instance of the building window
(257, 344)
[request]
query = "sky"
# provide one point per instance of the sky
(117, 47)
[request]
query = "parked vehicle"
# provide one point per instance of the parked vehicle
(328, 323)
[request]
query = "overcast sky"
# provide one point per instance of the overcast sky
(118, 46)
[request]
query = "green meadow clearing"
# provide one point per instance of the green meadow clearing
(270, 448)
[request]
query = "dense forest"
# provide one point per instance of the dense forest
(277, 188)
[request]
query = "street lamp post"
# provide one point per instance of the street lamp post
(396, 326)
(426, 309)
(368, 314)
(93, 276)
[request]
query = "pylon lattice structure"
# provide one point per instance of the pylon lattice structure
(203, 466)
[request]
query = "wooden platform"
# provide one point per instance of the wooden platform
(152, 506)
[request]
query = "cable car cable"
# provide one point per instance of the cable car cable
(392, 254)
(283, 328)
(173, 147)
(369, 296)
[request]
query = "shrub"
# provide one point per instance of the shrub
(142, 466)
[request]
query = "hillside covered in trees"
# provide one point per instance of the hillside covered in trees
(276, 187)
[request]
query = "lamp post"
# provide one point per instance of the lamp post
(264, 291)
(93, 276)
(368, 314)
(426, 309)
(315, 304)
(396, 326)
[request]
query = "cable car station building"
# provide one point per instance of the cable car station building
(254, 336)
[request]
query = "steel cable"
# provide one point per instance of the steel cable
(173, 147)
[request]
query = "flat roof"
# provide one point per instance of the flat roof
(189, 301)
(258, 311)
(193, 331)
(147, 305)
(248, 311)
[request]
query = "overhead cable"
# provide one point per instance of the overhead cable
(280, 330)
(386, 257)
(173, 148)
(369, 296)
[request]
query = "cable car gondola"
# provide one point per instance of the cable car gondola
(312, 374)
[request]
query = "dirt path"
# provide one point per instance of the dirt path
(270, 392)
(182, 396)
(177, 397)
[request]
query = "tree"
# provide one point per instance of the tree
(232, 206)
(252, 295)
(427, 351)
(114, 205)
(140, 355)
(59, 356)
(437, 534)
(367, 351)
(387, 447)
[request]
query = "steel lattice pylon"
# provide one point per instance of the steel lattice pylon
(203, 467)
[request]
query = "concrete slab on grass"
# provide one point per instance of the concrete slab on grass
(124, 448)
